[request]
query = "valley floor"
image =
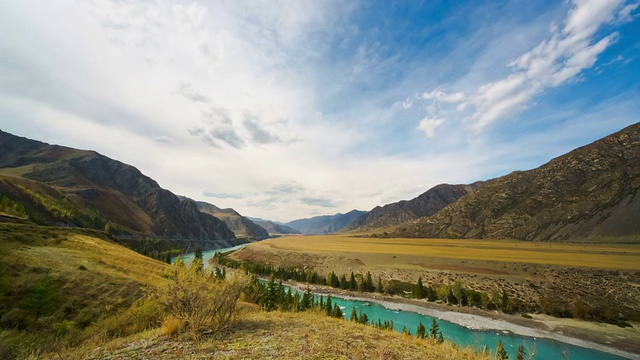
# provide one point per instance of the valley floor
(603, 276)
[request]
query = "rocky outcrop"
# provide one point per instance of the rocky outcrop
(588, 194)
(428, 203)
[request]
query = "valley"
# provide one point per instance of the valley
(584, 281)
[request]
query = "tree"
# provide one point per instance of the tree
(337, 312)
(504, 303)
(521, 353)
(434, 329)
(368, 283)
(421, 333)
(329, 306)
(354, 314)
(43, 299)
(440, 338)
(364, 319)
(418, 289)
(460, 293)
(379, 288)
(198, 259)
(344, 285)
(501, 353)
(352, 282)
(167, 259)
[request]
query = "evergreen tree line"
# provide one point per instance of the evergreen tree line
(456, 294)
(275, 296)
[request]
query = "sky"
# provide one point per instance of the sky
(291, 109)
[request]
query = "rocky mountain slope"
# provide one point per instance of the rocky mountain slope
(326, 224)
(59, 185)
(427, 204)
(591, 193)
(240, 225)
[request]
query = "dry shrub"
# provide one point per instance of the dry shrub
(199, 300)
(171, 325)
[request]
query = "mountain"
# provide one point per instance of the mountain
(326, 224)
(589, 194)
(63, 186)
(240, 225)
(427, 204)
(275, 228)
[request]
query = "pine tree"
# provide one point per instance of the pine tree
(521, 353)
(329, 306)
(501, 353)
(344, 285)
(418, 289)
(440, 337)
(504, 303)
(352, 282)
(354, 314)
(434, 329)
(197, 255)
(364, 319)
(379, 288)
(167, 258)
(337, 312)
(421, 333)
(368, 283)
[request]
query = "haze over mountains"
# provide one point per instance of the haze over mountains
(325, 224)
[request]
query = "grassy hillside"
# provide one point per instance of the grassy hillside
(283, 335)
(57, 284)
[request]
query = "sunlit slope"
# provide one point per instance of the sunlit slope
(591, 193)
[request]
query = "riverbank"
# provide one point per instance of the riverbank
(608, 338)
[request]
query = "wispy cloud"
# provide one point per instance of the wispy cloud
(570, 49)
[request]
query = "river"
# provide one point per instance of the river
(544, 348)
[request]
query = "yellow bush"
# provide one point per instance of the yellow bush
(200, 300)
(171, 325)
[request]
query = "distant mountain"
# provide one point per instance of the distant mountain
(427, 204)
(591, 193)
(240, 225)
(326, 224)
(275, 228)
(61, 185)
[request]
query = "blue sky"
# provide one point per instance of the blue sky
(290, 109)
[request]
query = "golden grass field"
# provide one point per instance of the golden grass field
(382, 251)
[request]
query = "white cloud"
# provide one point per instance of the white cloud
(570, 50)
(430, 126)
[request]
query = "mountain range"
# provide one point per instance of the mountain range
(590, 193)
(325, 224)
(275, 227)
(427, 204)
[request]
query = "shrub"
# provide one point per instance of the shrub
(200, 300)
(171, 325)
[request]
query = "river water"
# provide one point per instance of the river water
(544, 348)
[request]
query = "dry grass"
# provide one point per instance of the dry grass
(613, 256)
(276, 335)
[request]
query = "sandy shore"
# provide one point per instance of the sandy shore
(602, 337)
